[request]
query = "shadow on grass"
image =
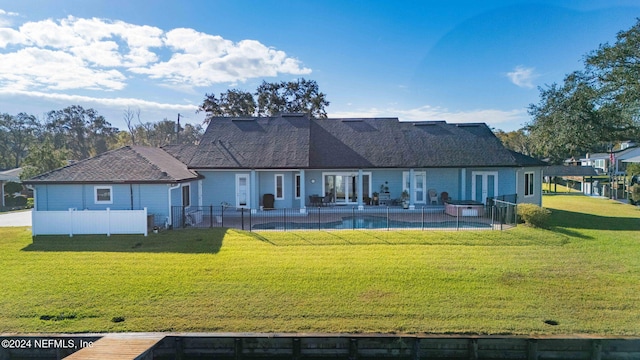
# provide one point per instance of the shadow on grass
(570, 233)
(176, 241)
(260, 238)
(577, 220)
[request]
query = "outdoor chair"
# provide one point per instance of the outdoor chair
(315, 200)
(268, 201)
(433, 196)
(327, 200)
(444, 196)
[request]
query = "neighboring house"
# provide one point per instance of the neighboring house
(613, 162)
(293, 157)
(12, 175)
(635, 159)
(583, 175)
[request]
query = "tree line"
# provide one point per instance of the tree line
(76, 133)
(592, 110)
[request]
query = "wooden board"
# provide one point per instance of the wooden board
(118, 347)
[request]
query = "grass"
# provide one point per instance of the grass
(581, 274)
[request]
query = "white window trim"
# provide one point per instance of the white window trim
(531, 183)
(102, 187)
(182, 194)
(296, 180)
(275, 186)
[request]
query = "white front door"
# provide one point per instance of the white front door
(484, 184)
(242, 191)
(420, 189)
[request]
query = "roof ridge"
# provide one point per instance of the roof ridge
(153, 164)
(79, 162)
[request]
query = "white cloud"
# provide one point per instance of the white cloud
(31, 68)
(4, 12)
(522, 76)
(5, 17)
(119, 103)
(77, 53)
(492, 117)
(201, 60)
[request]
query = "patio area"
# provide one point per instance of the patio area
(496, 216)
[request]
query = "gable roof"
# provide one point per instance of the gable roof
(129, 164)
(265, 142)
(297, 141)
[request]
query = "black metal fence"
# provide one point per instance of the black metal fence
(498, 215)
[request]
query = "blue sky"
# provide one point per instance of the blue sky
(459, 61)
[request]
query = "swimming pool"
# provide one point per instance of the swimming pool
(368, 222)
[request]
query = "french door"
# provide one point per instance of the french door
(484, 184)
(420, 188)
(344, 187)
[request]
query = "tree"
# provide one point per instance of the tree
(43, 156)
(231, 103)
(127, 116)
(17, 133)
(300, 96)
(81, 131)
(191, 134)
(615, 70)
(518, 141)
(566, 121)
(594, 107)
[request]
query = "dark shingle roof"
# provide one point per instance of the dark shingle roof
(184, 152)
(268, 142)
(129, 164)
(300, 142)
(296, 141)
(564, 170)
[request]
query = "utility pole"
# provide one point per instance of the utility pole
(178, 130)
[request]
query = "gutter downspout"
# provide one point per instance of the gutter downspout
(171, 187)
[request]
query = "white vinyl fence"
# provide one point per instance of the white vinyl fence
(75, 222)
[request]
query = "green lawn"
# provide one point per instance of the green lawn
(583, 273)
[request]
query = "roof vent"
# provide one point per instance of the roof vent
(429, 123)
(351, 120)
(293, 115)
(243, 119)
(468, 125)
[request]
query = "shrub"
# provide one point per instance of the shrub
(533, 215)
(30, 203)
(12, 187)
(15, 201)
(635, 193)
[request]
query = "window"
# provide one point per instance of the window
(297, 186)
(528, 184)
(186, 195)
(279, 187)
(103, 194)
